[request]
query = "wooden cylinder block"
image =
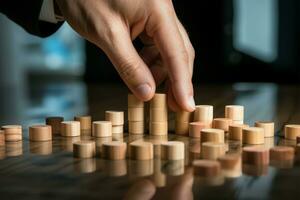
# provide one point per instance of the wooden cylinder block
(183, 116)
(281, 153)
(204, 113)
(114, 150)
(172, 150)
(136, 127)
(230, 161)
(253, 135)
(135, 114)
(40, 133)
(158, 115)
(206, 168)
(212, 150)
(13, 133)
(134, 102)
(235, 131)
(212, 135)
(54, 122)
(102, 129)
(2, 138)
(237, 122)
(158, 128)
(85, 122)
(141, 150)
(291, 131)
(158, 101)
(84, 149)
(255, 155)
(181, 128)
(116, 117)
(234, 112)
(222, 123)
(117, 129)
(267, 126)
(70, 128)
(196, 127)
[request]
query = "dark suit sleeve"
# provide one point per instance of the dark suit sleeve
(26, 14)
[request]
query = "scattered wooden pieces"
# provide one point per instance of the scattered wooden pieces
(253, 135)
(84, 149)
(40, 133)
(172, 150)
(291, 131)
(267, 126)
(255, 155)
(140, 150)
(70, 128)
(102, 129)
(114, 150)
(212, 135)
(54, 122)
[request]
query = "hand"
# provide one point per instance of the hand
(168, 53)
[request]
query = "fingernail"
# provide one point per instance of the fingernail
(191, 103)
(144, 90)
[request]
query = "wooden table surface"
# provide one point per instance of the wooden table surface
(47, 170)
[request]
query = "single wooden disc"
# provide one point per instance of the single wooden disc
(141, 150)
(212, 135)
(267, 126)
(172, 150)
(291, 131)
(235, 131)
(135, 114)
(54, 122)
(196, 127)
(282, 153)
(70, 128)
(134, 102)
(114, 150)
(204, 113)
(102, 129)
(206, 168)
(234, 112)
(158, 101)
(40, 133)
(212, 150)
(13, 133)
(85, 122)
(222, 123)
(158, 114)
(230, 161)
(116, 117)
(84, 149)
(253, 135)
(136, 127)
(253, 155)
(158, 128)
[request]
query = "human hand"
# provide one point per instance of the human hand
(168, 53)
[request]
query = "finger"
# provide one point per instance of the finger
(128, 63)
(171, 99)
(162, 26)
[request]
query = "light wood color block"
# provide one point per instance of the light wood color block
(253, 155)
(116, 117)
(212, 135)
(234, 112)
(182, 128)
(230, 161)
(158, 115)
(117, 129)
(13, 133)
(267, 126)
(204, 113)
(114, 150)
(135, 114)
(237, 122)
(136, 127)
(291, 131)
(2, 138)
(172, 150)
(40, 133)
(102, 129)
(158, 101)
(282, 153)
(196, 127)
(54, 122)
(206, 168)
(235, 131)
(140, 150)
(134, 102)
(222, 123)
(84, 149)
(85, 122)
(212, 150)
(70, 128)
(253, 135)
(158, 128)
(183, 116)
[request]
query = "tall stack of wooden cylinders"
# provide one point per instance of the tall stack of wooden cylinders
(158, 124)
(135, 115)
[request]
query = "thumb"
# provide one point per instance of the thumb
(132, 69)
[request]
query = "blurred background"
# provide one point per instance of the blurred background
(235, 41)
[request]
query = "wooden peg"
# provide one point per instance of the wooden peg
(204, 113)
(158, 101)
(253, 135)
(158, 128)
(222, 123)
(291, 131)
(212, 150)
(235, 131)
(116, 117)
(172, 150)
(85, 122)
(281, 153)
(212, 135)
(2, 138)
(135, 114)
(196, 127)
(70, 128)
(234, 112)
(140, 150)
(253, 155)
(102, 129)
(267, 126)
(114, 150)
(40, 133)
(206, 168)
(134, 102)
(13, 133)
(54, 122)
(136, 127)
(84, 149)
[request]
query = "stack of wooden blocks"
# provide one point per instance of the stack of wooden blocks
(135, 115)
(158, 124)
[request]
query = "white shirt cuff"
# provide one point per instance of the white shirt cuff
(47, 12)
